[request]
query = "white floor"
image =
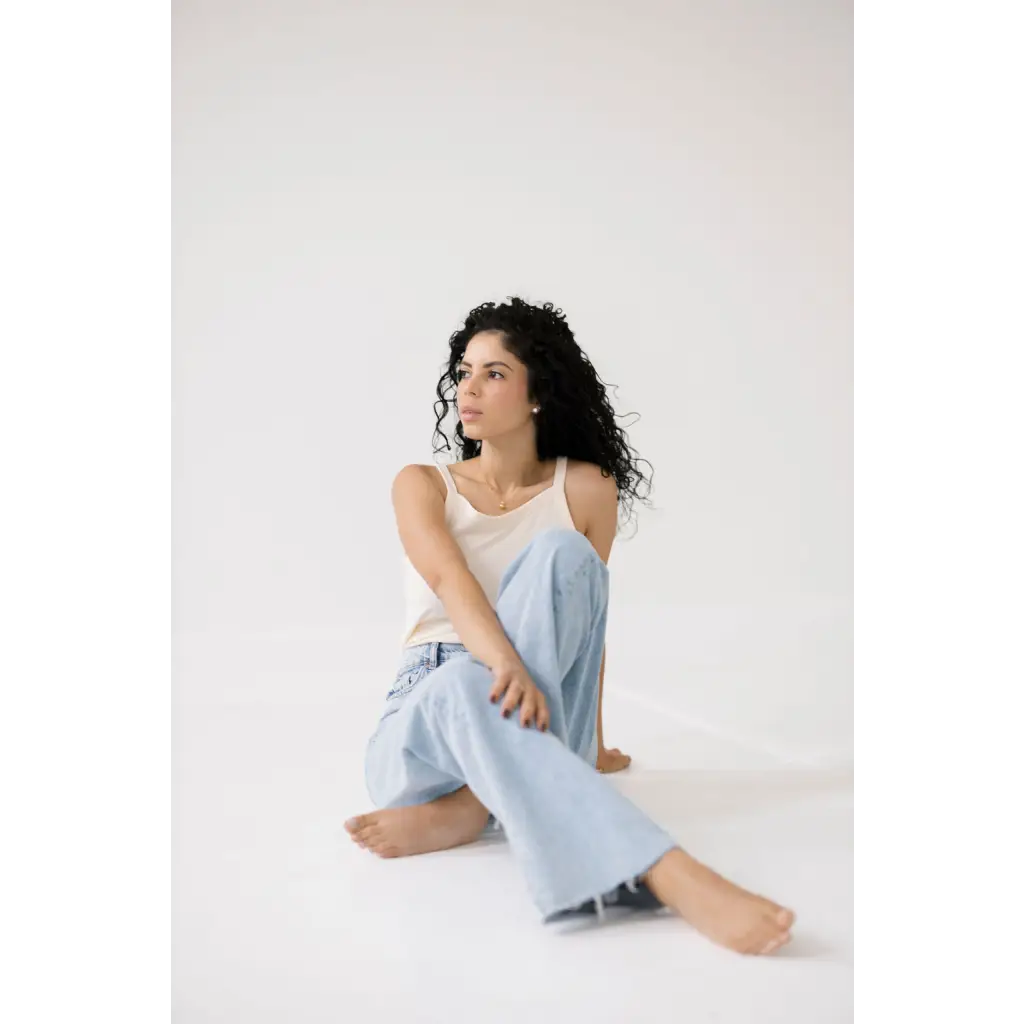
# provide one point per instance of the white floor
(279, 918)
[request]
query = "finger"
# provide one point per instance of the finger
(512, 699)
(528, 711)
(540, 709)
(500, 685)
(543, 717)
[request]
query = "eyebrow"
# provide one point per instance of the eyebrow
(494, 362)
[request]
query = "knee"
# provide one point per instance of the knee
(558, 555)
(571, 553)
(564, 543)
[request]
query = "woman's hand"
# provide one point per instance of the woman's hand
(512, 680)
(613, 760)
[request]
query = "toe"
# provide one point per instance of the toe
(762, 937)
(360, 821)
(776, 942)
(784, 919)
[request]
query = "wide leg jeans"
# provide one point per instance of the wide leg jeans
(574, 836)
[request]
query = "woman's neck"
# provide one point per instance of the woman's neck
(506, 467)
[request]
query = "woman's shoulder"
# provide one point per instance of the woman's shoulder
(462, 469)
(588, 493)
(586, 485)
(431, 473)
(590, 479)
(419, 474)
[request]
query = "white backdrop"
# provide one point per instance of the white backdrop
(350, 179)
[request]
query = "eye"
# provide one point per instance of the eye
(458, 375)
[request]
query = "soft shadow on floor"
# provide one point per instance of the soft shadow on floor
(803, 946)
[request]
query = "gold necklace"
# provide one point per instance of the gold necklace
(501, 504)
(493, 490)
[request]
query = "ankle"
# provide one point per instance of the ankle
(674, 862)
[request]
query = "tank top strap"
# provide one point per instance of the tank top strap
(558, 484)
(447, 474)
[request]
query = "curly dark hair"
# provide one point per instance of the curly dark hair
(575, 419)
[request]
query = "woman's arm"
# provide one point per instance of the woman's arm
(609, 759)
(599, 496)
(434, 554)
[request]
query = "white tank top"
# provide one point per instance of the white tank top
(489, 544)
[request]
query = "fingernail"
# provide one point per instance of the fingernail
(505, 714)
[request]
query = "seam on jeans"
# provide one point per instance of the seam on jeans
(407, 679)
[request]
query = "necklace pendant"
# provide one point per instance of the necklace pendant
(501, 504)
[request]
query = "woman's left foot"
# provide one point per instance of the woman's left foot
(452, 820)
(731, 916)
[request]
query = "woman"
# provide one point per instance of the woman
(507, 597)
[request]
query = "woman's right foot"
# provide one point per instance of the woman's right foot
(725, 913)
(449, 821)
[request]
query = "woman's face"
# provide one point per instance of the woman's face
(492, 395)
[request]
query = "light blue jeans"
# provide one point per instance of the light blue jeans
(579, 842)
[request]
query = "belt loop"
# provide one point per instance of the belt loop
(434, 649)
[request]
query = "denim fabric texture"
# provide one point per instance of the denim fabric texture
(579, 842)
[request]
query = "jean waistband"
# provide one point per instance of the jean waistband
(436, 651)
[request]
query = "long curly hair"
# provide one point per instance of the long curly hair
(576, 418)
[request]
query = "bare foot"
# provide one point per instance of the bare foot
(612, 760)
(725, 913)
(452, 820)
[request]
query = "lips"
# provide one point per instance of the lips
(469, 411)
